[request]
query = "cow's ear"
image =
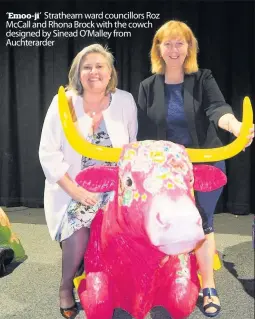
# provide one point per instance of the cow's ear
(208, 178)
(98, 178)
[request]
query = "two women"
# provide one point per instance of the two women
(180, 103)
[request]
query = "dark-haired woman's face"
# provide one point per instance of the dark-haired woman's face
(174, 52)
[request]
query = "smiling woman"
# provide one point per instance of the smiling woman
(174, 40)
(184, 104)
(103, 115)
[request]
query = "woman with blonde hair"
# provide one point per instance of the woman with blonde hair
(104, 115)
(184, 104)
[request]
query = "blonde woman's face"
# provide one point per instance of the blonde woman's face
(174, 52)
(95, 73)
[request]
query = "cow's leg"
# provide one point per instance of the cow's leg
(182, 291)
(96, 296)
(73, 249)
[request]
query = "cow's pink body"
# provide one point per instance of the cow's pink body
(138, 254)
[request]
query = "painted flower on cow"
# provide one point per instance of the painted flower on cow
(128, 189)
(129, 155)
(152, 185)
(135, 144)
(170, 185)
(178, 165)
(144, 144)
(141, 165)
(157, 157)
(127, 198)
(183, 274)
(162, 172)
(136, 195)
(144, 197)
(138, 161)
(179, 181)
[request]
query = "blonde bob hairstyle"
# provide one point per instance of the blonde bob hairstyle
(74, 73)
(171, 30)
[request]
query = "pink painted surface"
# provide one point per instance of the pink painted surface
(139, 253)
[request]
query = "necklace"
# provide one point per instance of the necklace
(97, 115)
(100, 107)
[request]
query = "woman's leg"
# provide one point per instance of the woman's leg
(206, 203)
(205, 254)
(73, 250)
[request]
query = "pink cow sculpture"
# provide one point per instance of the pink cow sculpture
(140, 251)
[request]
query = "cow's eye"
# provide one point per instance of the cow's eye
(129, 182)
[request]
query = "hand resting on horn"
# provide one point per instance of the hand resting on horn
(229, 123)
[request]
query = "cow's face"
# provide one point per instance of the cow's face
(156, 186)
(154, 183)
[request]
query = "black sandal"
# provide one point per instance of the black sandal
(211, 292)
(69, 313)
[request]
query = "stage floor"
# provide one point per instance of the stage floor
(30, 291)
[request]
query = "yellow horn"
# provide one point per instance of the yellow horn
(113, 154)
(230, 150)
(79, 144)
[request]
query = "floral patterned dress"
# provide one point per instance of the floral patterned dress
(78, 215)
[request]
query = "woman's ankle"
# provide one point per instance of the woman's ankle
(66, 294)
(66, 299)
(208, 285)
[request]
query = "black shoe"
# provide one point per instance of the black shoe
(6, 257)
(69, 313)
(210, 292)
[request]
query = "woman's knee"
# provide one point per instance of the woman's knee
(78, 240)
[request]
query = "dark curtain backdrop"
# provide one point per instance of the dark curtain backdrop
(30, 77)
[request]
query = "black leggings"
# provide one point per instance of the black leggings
(73, 250)
(206, 203)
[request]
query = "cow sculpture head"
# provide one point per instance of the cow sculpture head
(154, 183)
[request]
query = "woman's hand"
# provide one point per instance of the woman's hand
(77, 193)
(229, 123)
(235, 128)
(83, 196)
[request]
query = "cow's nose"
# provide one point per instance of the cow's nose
(162, 220)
